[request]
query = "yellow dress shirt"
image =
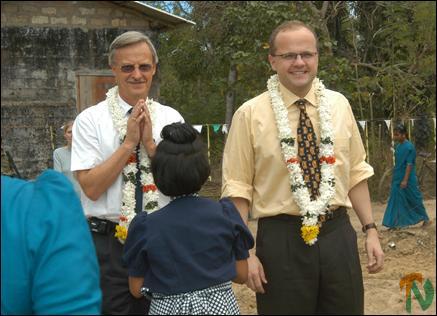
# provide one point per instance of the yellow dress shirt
(253, 165)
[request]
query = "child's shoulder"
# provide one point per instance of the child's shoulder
(224, 203)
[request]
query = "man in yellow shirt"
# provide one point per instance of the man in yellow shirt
(294, 159)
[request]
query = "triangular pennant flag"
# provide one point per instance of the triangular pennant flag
(412, 122)
(225, 128)
(198, 128)
(216, 127)
(362, 124)
(387, 122)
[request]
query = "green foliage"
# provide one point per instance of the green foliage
(379, 54)
(195, 61)
(382, 51)
(422, 134)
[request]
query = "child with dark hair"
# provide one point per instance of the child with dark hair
(184, 256)
(405, 206)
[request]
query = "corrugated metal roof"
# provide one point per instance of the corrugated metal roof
(164, 19)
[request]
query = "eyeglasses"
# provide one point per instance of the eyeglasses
(305, 56)
(131, 68)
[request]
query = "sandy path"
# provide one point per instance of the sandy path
(415, 252)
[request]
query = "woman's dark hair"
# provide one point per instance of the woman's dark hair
(180, 165)
(401, 129)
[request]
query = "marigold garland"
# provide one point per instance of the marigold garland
(309, 209)
(150, 195)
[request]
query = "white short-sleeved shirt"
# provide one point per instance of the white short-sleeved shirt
(96, 139)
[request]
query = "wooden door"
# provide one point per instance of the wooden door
(91, 89)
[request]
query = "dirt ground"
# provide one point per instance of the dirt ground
(414, 250)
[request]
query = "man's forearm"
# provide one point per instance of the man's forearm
(360, 199)
(242, 206)
(96, 181)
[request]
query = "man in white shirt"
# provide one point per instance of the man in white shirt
(112, 146)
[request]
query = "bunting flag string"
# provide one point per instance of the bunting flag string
(362, 124)
(216, 127)
(198, 128)
(225, 128)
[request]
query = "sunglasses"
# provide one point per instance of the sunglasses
(131, 68)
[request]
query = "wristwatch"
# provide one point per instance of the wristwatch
(368, 226)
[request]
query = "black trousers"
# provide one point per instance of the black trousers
(324, 278)
(114, 284)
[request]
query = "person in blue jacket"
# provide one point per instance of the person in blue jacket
(185, 255)
(405, 205)
(48, 260)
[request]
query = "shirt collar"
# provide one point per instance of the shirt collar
(124, 105)
(290, 98)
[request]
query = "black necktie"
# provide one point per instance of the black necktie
(308, 151)
(138, 185)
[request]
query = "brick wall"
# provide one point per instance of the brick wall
(43, 47)
(84, 14)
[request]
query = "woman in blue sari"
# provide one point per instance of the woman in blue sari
(405, 206)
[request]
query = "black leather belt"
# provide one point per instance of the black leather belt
(330, 214)
(101, 226)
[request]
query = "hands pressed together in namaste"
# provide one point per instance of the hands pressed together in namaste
(139, 128)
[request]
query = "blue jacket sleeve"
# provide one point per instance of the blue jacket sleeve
(64, 261)
(243, 240)
(134, 252)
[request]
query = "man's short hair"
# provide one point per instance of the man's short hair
(289, 25)
(130, 38)
(180, 165)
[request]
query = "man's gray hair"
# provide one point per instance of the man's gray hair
(129, 38)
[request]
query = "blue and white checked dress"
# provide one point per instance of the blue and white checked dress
(215, 300)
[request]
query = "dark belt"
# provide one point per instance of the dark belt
(101, 226)
(322, 218)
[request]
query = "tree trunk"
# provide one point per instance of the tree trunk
(230, 94)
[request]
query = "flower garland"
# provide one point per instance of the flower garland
(150, 192)
(309, 210)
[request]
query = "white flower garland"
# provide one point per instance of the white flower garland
(309, 210)
(150, 192)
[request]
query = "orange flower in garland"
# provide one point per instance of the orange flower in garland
(328, 159)
(293, 160)
(132, 159)
(149, 187)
